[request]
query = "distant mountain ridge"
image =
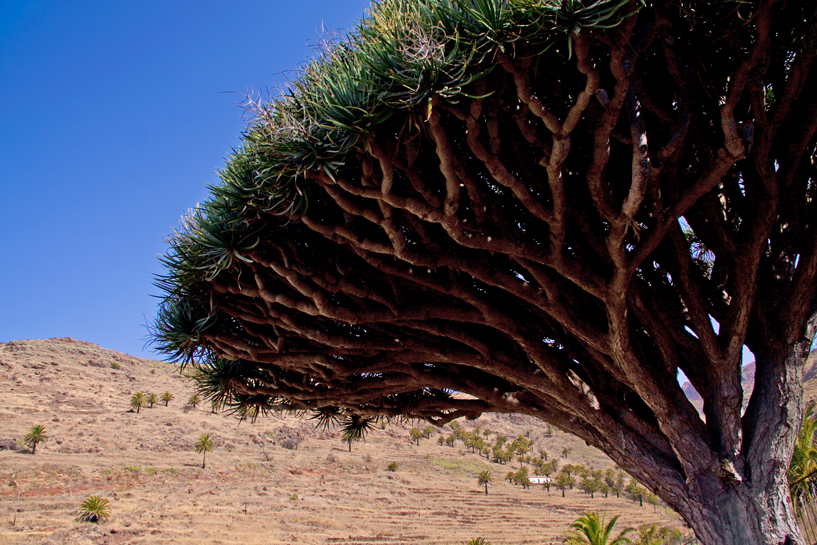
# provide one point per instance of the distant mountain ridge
(748, 382)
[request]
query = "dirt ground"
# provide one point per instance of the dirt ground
(253, 490)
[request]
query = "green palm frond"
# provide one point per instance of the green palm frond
(204, 444)
(94, 509)
(485, 477)
(138, 400)
(35, 436)
(592, 529)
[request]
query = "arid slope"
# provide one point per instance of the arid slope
(253, 490)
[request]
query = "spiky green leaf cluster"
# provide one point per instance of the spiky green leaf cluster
(402, 54)
(94, 509)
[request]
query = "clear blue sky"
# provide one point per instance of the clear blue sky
(114, 116)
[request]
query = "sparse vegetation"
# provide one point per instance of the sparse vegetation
(130, 437)
(636, 492)
(477, 541)
(35, 436)
(348, 439)
(293, 497)
(564, 480)
(653, 534)
(520, 477)
(115, 365)
(167, 397)
(484, 479)
(137, 401)
(465, 465)
(94, 509)
(204, 445)
(392, 466)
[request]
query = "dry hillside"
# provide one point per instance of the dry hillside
(253, 489)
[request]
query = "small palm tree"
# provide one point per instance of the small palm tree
(166, 397)
(203, 446)
(484, 478)
(591, 529)
(94, 509)
(137, 401)
(193, 400)
(35, 436)
(151, 399)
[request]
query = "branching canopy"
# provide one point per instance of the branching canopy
(527, 206)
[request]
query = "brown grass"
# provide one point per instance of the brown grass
(146, 466)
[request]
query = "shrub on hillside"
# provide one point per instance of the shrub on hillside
(94, 509)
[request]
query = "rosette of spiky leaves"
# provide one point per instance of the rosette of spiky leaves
(327, 417)
(94, 509)
(228, 385)
(235, 385)
(576, 15)
(179, 326)
(401, 55)
(355, 427)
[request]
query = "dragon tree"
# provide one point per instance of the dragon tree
(530, 206)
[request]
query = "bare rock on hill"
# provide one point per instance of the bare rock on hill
(9, 444)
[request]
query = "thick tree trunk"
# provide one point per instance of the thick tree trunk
(748, 502)
(745, 515)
